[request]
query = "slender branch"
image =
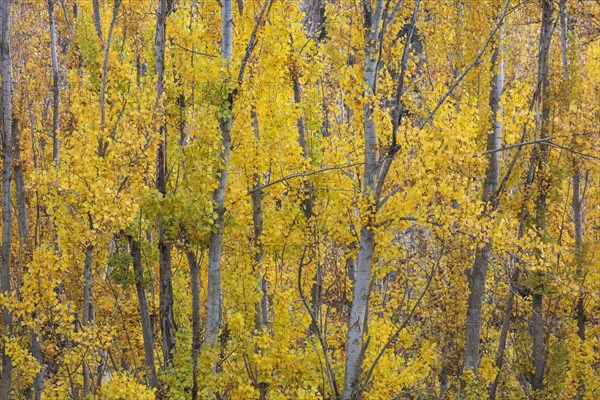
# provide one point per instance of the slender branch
(193, 51)
(302, 175)
(574, 151)
(330, 371)
(512, 146)
(395, 11)
(252, 42)
(385, 198)
(395, 335)
(475, 62)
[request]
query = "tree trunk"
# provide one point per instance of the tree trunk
(577, 201)
(36, 351)
(544, 81)
(544, 183)
(87, 314)
(578, 221)
(196, 338)
(102, 144)
(22, 219)
(504, 333)
(314, 20)
(358, 311)
(97, 21)
(307, 208)
(261, 316)
(25, 241)
(214, 298)
(358, 315)
(478, 273)
(538, 342)
(138, 270)
(167, 319)
(7, 148)
(476, 277)
(55, 88)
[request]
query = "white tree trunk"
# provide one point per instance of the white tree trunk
(478, 273)
(358, 312)
(7, 91)
(215, 296)
(55, 87)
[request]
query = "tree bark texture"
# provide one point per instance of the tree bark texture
(7, 148)
(477, 275)
(167, 318)
(147, 334)
(358, 311)
(214, 301)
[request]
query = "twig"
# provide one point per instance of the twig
(193, 51)
(469, 68)
(330, 371)
(252, 42)
(512, 146)
(395, 335)
(574, 151)
(302, 175)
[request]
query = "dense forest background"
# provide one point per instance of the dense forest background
(285, 199)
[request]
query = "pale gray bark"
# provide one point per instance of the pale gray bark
(227, 33)
(300, 122)
(87, 315)
(564, 29)
(544, 114)
(495, 136)
(308, 205)
(36, 351)
(513, 285)
(196, 338)
(138, 269)
(25, 240)
(102, 145)
(19, 178)
(7, 148)
(147, 335)
(214, 298)
(97, 21)
(537, 333)
(577, 200)
(478, 273)
(476, 279)
(261, 318)
(578, 221)
(167, 318)
(504, 333)
(314, 19)
(261, 313)
(358, 311)
(55, 78)
(537, 322)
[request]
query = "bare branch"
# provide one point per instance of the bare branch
(512, 146)
(475, 62)
(302, 175)
(252, 42)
